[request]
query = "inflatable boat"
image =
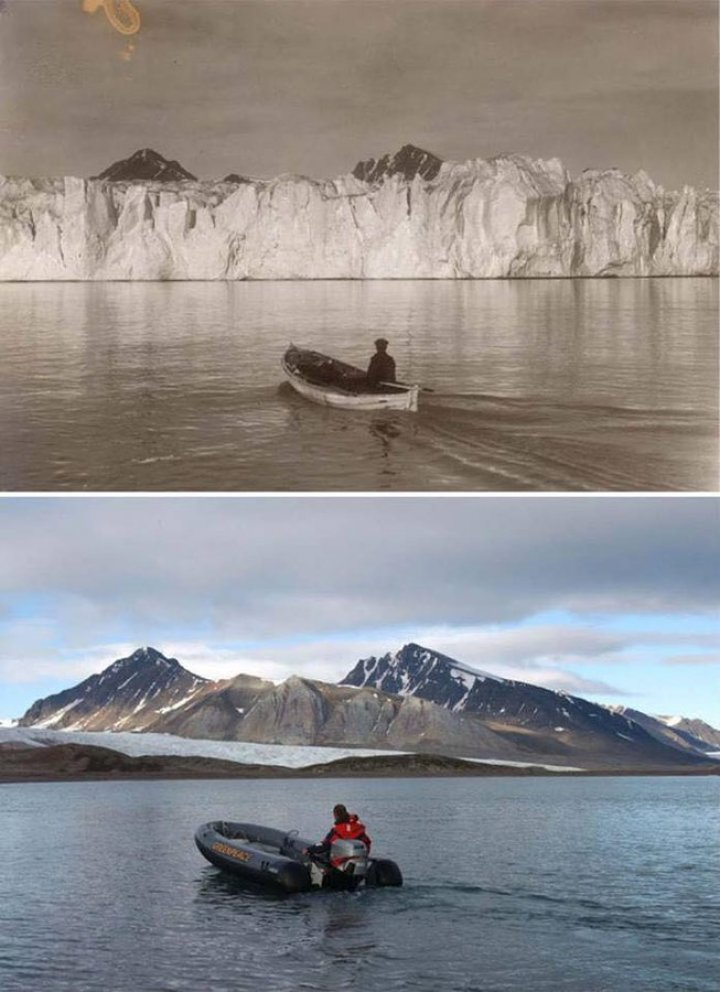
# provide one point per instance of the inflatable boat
(279, 860)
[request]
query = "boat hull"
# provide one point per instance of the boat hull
(276, 859)
(256, 854)
(389, 397)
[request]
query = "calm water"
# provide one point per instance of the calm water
(595, 885)
(548, 384)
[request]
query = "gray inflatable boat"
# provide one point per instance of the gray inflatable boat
(277, 859)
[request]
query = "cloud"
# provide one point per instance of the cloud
(291, 585)
(249, 569)
(540, 655)
(527, 646)
(692, 659)
(563, 681)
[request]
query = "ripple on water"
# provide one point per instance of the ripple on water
(539, 385)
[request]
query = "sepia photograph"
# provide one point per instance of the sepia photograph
(367, 245)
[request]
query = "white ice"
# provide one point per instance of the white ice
(292, 756)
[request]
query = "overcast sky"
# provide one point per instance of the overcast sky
(614, 599)
(312, 86)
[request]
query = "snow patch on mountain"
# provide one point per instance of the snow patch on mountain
(524, 764)
(178, 704)
(57, 716)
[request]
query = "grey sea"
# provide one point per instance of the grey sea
(539, 885)
(551, 385)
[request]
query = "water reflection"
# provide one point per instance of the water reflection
(219, 888)
(569, 384)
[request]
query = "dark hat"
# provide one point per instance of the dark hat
(381, 341)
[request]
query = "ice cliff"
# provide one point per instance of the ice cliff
(510, 216)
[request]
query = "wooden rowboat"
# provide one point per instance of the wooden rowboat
(330, 382)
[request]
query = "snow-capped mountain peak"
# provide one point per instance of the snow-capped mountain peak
(693, 728)
(129, 693)
(415, 699)
(516, 708)
(679, 732)
(418, 671)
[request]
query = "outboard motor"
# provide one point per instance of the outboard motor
(349, 863)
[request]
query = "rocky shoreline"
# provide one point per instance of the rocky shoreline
(75, 762)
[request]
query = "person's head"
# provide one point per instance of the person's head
(340, 813)
(381, 344)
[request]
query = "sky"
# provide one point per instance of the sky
(313, 86)
(612, 598)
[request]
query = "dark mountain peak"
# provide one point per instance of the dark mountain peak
(147, 653)
(147, 155)
(143, 658)
(144, 683)
(685, 722)
(416, 653)
(516, 709)
(409, 162)
(412, 153)
(697, 733)
(145, 164)
(418, 671)
(237, 180)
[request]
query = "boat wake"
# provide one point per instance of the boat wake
(508, 443)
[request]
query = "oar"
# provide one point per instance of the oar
(409, 385)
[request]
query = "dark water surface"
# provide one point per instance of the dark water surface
(539, 885)
(539, 385)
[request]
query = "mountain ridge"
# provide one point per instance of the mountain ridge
(689, 733)
(147, 692)
(126, 687)
(510, 707)
(416, 700)
(409, 162)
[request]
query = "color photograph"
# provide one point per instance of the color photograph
(505, 710)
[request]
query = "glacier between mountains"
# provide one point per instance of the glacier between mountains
(291, 756)
(501, 218)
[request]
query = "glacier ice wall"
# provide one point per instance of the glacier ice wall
(506, 217)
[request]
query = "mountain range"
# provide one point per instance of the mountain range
(517, 709)
(413, 700)
(403, 215)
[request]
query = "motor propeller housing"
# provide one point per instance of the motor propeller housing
(349, 856)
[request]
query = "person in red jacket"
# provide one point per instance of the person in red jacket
(346, 826)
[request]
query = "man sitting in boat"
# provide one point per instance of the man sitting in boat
(346, 826)
(382, 365)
